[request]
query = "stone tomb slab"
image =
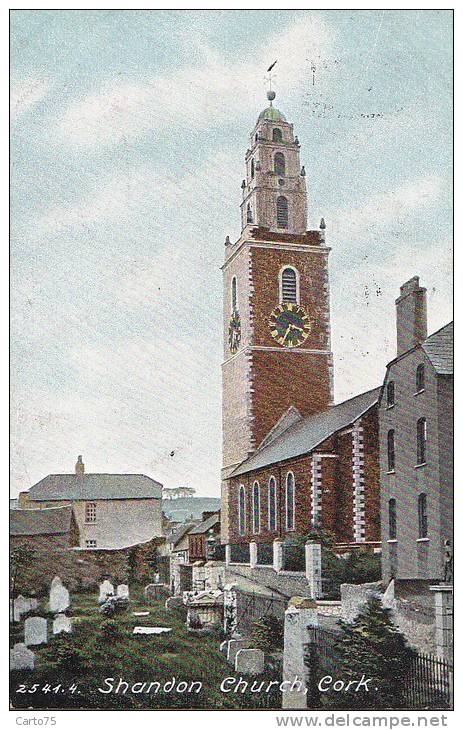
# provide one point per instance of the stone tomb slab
(151, 630)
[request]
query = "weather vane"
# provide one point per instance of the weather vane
(269, 79)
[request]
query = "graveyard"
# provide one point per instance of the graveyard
(140, 656)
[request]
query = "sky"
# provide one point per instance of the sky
(128, 135)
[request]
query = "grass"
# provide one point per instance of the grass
(72, 678)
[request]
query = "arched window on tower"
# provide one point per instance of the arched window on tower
(420, 378)
(241, 510)
(290, 501)
(392, 519)
(422, 516)
(279, 164)
(272, 504)
(289, 285)
(277, 135)
(249, 214)
(391, 450)
(421, 437)
(252, 167)
(234, 294)
(256, 507)
(282, 212)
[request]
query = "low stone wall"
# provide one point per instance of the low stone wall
(80, 568)
(289, 584)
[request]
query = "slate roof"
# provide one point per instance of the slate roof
(95, 486)
(181, 532)
(305, 435)
(206, 525)
(439, 348)
(49, 521)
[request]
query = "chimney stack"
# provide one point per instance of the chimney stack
(412, 326)
(80, 466)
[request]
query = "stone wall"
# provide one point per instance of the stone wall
(80, 569)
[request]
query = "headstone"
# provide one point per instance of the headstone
(35, 630)
(234, 645)
(59, 596)
(151, 630)
(62, 623)
(122, 590)
(106, 590)
(249, 661)
(21, 657)
(23, 605)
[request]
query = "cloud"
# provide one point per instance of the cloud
(197, 96)
(25, 94)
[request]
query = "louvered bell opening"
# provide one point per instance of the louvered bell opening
(282, 212)
(289, 286)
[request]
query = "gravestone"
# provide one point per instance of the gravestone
(122, 590)
(62, 623)
(233, 647)
(35, 630)
(151, 630)
(59, 596)
(23, 605)
(21, 657)
(249, 661)
(106, 590)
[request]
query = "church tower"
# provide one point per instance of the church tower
(276, 314)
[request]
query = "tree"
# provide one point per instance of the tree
(371, 646)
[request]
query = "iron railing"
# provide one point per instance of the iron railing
(239, 553)
(264, 553)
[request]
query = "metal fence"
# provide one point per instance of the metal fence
(239, 553)
(219, 553)
(294, 558)
(428, 684)
(264, 553)
(252, 606)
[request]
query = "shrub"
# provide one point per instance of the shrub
(64, 653)
(110, 630)
(267, 633)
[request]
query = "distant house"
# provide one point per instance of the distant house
(416, 445)
(178, 542)
(111, 510)
(197, 537)
(52, 527)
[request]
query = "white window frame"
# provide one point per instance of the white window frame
(241, 517)
(290, 529)
(90, 513)
(280, 282)
(254, 530)
(271, 529)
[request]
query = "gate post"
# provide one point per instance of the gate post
(227, 554)
(277, 555)
(300, 615)
(313, 567)
(253, 554)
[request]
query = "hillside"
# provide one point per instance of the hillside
(186, 508)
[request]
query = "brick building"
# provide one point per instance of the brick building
(291, 459)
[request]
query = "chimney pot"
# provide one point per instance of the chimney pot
(80, 466)
(412, 326)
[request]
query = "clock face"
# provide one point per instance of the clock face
(234, 332)
(289, 324)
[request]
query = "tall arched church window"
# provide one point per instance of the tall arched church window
(290, 501)
(252, 167)
(277, 135)
(279, 164)
(272, 504)
(255, 507)
(241, 510)
(282, 212)
(249, 214)
(289, 285)
(420, 378)
(390, 450)
(234, 294)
